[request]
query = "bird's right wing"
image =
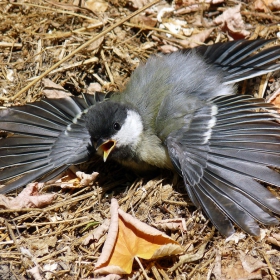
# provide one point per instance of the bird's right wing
(49, 135)
(238, 59)
(222, 152)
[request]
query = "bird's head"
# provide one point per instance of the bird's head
(115, 129)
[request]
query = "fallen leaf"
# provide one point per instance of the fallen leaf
(82, 180)
(53, 90)
(171, 224)
(107, 277)
(144, 20)
(276, 102)
(274, 239)
(40, 247)
(267, 5)
(197, 39)
(129, 238)
(249, 263)
(217, 269)
(35, 272)
(95, 45)
(138, 4)
(28, 198)
(235, 237)
(93, 88)
(97, 233)
(167, 49)
(233, 269)
(231, 21)
(86, 179)
(190, 257)
(99, 6)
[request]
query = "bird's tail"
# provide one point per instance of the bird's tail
(238, 60)
(48, 136)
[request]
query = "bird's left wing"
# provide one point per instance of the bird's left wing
(228, 145)
(49, 135)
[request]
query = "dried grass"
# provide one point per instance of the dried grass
(35, 37)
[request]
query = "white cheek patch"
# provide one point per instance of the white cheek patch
(130, 132)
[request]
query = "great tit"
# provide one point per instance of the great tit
(179, 111)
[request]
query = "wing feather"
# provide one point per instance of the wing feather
(221, 164)
(49, 135)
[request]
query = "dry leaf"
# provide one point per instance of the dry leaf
(274, 239)
(96, 44)
(98, 232)
(99, 6)
(144, 20)
(168, 49)
(276, 102)
(138, 4)
(93, 87)
(82, 180)
(234, 270)
(236, 237)
(28, 198)
(35, 272)
(171, 224)
(231, 21)
(128, 238)
(249, 263)
(40, 247)
(86, 179)
(107, 277)
(197, 39)
(217, 270)
(267, 5)
(53, 90)
(275, 99)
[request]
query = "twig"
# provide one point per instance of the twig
(269, 265)
(143, 269)
(101, 34)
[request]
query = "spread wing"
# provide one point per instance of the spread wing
(49, 135)
(238, 59)
(228, 145)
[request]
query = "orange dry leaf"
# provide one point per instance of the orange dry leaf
(28, 198)
(267, 5)
(129, 238)
(82, 180)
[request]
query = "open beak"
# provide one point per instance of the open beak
(107, 147)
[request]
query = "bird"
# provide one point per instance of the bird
(179, 111)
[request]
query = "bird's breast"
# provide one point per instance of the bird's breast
(152, 151)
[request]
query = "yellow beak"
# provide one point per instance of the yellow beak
(107, 147)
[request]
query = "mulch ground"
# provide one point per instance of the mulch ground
(35, 39)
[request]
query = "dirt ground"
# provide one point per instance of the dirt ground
(39, 57)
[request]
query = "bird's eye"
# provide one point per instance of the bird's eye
(117, 126)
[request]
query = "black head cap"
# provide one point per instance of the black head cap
(104, 119)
